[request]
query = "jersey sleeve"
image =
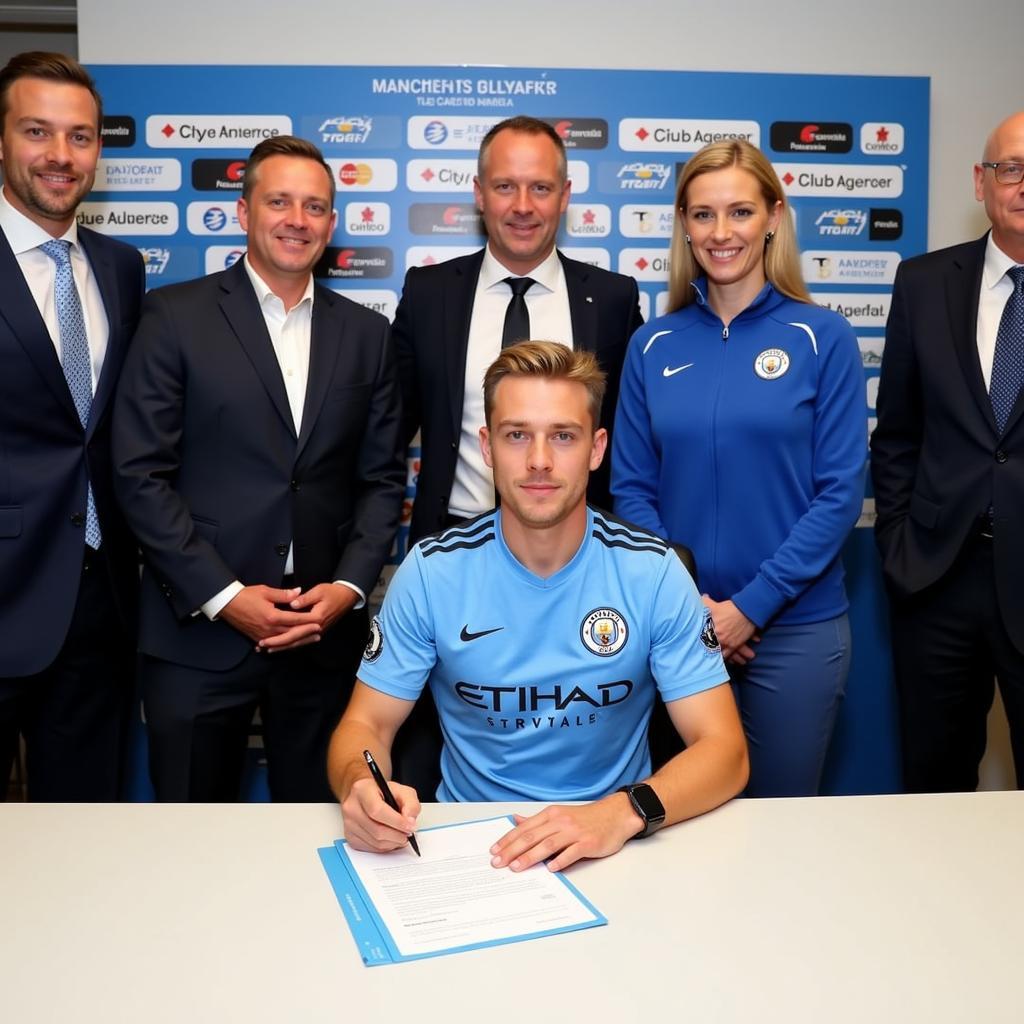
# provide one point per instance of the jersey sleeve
(401, 650)
(686, 656)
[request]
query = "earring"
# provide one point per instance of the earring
(687, 239)
(768, 237)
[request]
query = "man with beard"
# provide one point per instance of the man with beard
(69, 302)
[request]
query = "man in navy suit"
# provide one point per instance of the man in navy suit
(69, 302)
(947, 460)
(256, 438)
(452, 322)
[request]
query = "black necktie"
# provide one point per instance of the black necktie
(1008, 359)
(517, 316)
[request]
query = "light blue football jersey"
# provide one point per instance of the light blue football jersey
(544, 687)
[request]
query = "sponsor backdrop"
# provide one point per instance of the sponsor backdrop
(852, 153)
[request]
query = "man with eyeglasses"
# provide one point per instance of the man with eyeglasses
(948, 470)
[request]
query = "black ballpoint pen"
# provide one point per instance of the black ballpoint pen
(385, 792)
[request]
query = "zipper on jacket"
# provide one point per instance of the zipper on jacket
(725, 333)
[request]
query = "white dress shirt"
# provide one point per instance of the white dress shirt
(24, 237)
(548, 304)
(290, 333)
(996, 289)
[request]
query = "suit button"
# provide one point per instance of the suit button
(77, 519)
(281, 549)
(1001, 456)
(294, 485)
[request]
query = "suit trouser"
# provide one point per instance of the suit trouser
(74, 714)
(949, 646)
(198, 722)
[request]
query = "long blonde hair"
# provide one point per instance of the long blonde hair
(781, 255)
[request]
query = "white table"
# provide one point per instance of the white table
(866, 909)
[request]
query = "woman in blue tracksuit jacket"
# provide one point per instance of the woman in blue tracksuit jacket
(741, 432)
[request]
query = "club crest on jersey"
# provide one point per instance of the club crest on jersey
(708, 636)
(771, 364)
(374, 642)
(604, 632)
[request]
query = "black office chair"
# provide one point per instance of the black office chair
(662, 737)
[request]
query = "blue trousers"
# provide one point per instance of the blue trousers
(788, 697)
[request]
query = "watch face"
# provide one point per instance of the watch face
(650, 806)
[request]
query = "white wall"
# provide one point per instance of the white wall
(971, 52)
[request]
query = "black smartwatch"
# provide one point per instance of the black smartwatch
(647, 805)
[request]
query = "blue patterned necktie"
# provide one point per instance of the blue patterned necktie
(75, 357)
(1008, 359)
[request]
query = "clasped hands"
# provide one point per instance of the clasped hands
(559, 834)
(734, 630)
(276, 619)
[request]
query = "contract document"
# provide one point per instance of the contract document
(403, 907)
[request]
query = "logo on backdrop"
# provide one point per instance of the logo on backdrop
(876, 137)
(118, 131)
(345, 131)
(354, 262)
(641, 221)
(861, 181)
(129, 218)
(675, 135)
(580, 132)
(440, 175)
(811, 137)
(643, 177)
(370, 175)
(886, 225)
(591, 221)
(367, 218)
(218, 175)
(137, 174)
(445, 219)
(213, 131)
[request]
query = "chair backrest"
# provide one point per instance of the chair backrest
(686, 557)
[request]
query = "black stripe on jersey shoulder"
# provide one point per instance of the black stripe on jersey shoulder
(615, 532)
(470, 534)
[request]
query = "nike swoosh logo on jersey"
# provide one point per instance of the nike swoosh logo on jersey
(465, 636)
(672, 371)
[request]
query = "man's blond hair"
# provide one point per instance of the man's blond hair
(552, 361)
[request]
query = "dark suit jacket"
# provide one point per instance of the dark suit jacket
(46, 455)
(937, 460)
(216, 480)
(431, 333)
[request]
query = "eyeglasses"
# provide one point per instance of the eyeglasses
(1006, 174)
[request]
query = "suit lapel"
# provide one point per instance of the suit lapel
(18, 308)
(106, 280)
(582, 308)
(457, 315)
(242, 311)
(963, 286)
(325, 341)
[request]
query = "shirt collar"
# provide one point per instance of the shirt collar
(546, 273)
(24, 234)
(264, 292)
(997, 263)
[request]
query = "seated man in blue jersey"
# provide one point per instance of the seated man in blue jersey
(543, 628)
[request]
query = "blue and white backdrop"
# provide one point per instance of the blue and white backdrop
(852, 152)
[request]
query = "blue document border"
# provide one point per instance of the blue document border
(374, 941)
